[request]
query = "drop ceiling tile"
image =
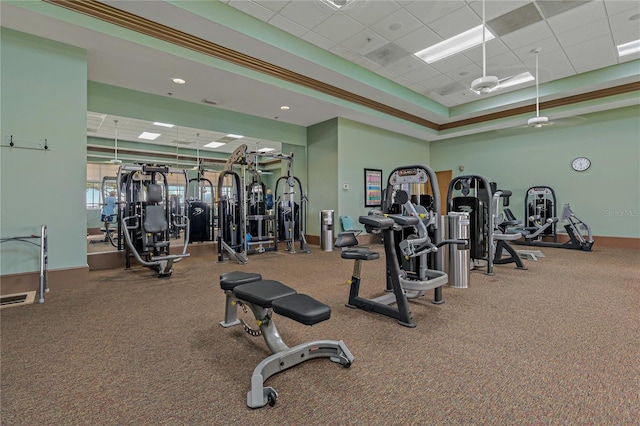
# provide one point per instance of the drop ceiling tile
(593, 60)
(587, 47)
(615, 7)
(620, 24)
(527, 35)
(456, 22)
(273, 5)
(557, 71)
(338, 28)
(288, 25)
(387, 73)
(621, 37)
(368, 13)
(515, 20)
(423, 73)
(253, 9)
(494, 9)
(405, 65)
(365, 42)
(466, 73)
(367, 63)
(494, 47)
(429, 11)
(436, 82)
(344, 52)
(396, 25)
(581, 15)
(504, 61)
(417, 40)
(300, 13)
(548, 45)
(418, 88)
(463, 96)
(318, 40)
(451, 63)
(583, 33)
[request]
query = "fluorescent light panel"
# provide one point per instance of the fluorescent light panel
(231, 135)
(629, 48)
(266, 149)
(511, 81)
(157, 123)
(214, 145)
(456, 44)
(149, 136)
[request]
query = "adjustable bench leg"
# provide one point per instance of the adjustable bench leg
(259, 396)
(230, 311)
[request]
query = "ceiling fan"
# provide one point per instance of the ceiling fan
(486, 83)
(538, 121)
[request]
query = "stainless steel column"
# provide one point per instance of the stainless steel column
(459, 256)
(326, 230)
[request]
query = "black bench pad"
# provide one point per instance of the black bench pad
(229, 280)
(362, 254)
(262, 293)
(302, 308)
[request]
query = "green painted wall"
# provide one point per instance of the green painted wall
(606, 196)
(323, 170)
(44, 95)
(362, 146)
(108, 99)
(339, 151)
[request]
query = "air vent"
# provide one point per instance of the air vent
(514, 20)
(227, 139)
(17, 299)
(177, 142)
(387, 54)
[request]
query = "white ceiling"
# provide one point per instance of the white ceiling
(574, 42)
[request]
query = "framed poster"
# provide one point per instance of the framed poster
(372, 188)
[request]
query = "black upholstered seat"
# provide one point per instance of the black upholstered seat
(361, 254)
(229, 280)
(302, 308)
(262, 293)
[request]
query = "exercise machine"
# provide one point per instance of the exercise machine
(145, 216)
(479, 198)
(259, 239)
(412, 239)
(200, 207)
(265, 298)
(542, 220)
(231, 208)
(291, 211)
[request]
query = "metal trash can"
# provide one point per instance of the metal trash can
(459, 256)
(326, 230)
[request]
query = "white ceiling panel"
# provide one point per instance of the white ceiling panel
(319, 40)
(616, 6)
(396, 25)
(274, 5)
(456, 22)
(368, 13)
(429, 11)
(581, 15)
(365, 42)
(338, 28)
(252, 8)
(288, 25)
(524, 36)
(584, 33)
(298, 12)
(417, 40)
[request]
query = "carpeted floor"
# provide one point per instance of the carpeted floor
(556, 344)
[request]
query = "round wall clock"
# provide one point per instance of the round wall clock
(581, 164)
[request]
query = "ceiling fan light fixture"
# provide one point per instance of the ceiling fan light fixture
(485, 84)
(538, 121)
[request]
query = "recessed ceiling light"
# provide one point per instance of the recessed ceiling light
(456, 44)
(629, 48)
(231, 135)
(214, 145)
(266, 149)
(178, 80)
(149, 136)
(284, 107)
(157, 123)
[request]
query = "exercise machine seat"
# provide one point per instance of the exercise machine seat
(302, 308)
(155, 218)
(360, 254)
(230, 280)
(262, 293)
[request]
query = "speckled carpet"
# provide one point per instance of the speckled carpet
(556, 344)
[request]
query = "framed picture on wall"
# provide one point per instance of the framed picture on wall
(372, 188)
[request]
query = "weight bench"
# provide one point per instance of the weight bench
(265, 297)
